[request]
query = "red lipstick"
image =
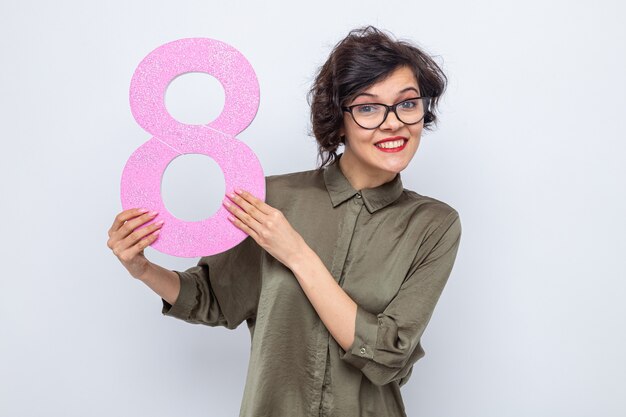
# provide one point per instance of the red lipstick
(395, 138)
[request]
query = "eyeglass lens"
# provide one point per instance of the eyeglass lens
(371, 116)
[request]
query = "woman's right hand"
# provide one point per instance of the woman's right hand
(127, 240)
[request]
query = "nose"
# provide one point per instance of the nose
(391, 122)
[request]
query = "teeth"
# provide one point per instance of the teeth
(392, 144)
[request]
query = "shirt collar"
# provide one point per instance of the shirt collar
(340, 189)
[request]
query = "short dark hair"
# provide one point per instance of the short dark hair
(364, 57)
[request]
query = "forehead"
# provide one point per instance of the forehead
(396, 82)
(399, 82)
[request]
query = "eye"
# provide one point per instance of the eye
(408, 104)
(367, 109)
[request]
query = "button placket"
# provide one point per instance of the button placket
(344, 239)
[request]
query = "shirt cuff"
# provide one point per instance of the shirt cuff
(186, 301)
(365, 337)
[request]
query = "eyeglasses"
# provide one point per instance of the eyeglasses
(371, 115)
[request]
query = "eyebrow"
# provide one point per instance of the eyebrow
(374, 95)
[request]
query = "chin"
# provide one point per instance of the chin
(395, 164)
(394, 168)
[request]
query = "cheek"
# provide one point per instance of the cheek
(356, 137)
(416, 130)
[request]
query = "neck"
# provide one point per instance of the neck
(358, 176)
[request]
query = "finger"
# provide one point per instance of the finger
(122, 217)
(242, 215)
(143, 243)
(256, 202)
(132, 224)
(138, 234)
(254, 212)
(241, 225)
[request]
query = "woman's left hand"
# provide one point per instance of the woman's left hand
(266, 225)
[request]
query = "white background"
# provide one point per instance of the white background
(530, 151)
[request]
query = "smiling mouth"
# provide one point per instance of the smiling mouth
(395, 145)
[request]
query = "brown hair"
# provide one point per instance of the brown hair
(364, 57)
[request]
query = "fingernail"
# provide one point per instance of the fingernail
(238, 191)
(156, 232)
(143, 210)
(160, 222)
(154, 213)
(231, 195)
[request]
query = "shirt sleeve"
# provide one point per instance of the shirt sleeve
(222, 289)
(386, 345)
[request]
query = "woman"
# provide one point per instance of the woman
(343, 266)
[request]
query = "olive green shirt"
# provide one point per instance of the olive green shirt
(389, 248)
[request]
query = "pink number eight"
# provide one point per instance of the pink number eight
(141, 178)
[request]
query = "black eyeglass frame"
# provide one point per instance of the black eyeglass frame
(387, 109)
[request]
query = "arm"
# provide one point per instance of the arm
(383, 346)
(128, 239)
(162, 281)
(224, 297)
(271, 230)
(333, 305)
(222, 289)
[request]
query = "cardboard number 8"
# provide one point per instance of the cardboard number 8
(141, 178)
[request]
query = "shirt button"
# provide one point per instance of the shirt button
(362, 351)
(358, 195)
